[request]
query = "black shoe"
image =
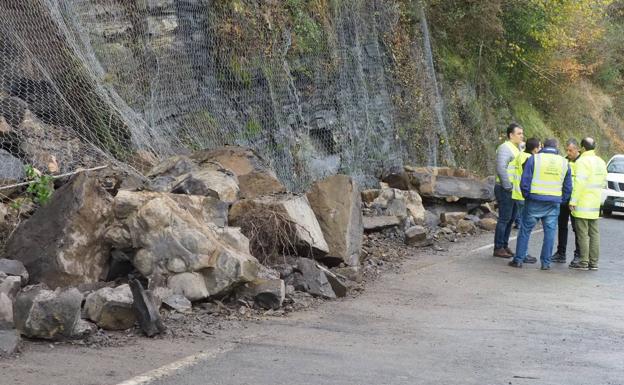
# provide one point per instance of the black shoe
(558, 258)
(544, 267)
(515, 264)
(529, 259)
(577, 266)
(593, 267)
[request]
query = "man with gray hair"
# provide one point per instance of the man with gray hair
(572, 151)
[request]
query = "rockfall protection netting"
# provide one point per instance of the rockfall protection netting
(315, 86)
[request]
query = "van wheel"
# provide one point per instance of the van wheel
(606, 213)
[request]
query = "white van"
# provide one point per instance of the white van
(613, 195)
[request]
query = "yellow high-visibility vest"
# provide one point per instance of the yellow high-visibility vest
(511, 170)
(549, 171)
(590, 179)
(516, 194)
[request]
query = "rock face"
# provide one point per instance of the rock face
(254, 178)
(111, 308)
(336, 202)
(62, 243)
(41, 313)
(174, 242)
(307, 235)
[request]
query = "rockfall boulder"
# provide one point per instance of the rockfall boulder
(310, 278)
(488, 224)
(336, 202)
(268, 294)
(111, 308)
(14, 268)
(254, 177)
(307, 235)
(47, 314)
(183, 175)
(62, 243)
(452, 218)
(444, 182)
(175, 243)
(402, 204)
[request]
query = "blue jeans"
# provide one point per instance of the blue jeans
(520, 209)
(506, 216)
(534, 210)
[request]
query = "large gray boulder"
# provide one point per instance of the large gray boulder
(175, 243)
(307, 236)
(111, 308)
(47, 314)
(62, 243)
(337, 204)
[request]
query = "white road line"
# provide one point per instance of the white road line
(173, 367)
(492, 245)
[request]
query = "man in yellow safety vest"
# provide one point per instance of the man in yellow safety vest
(505, 154)
(546, 182)
(572, 151)
(532, 147)
(590, 179)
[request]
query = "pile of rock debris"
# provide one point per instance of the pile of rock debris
(112, 251)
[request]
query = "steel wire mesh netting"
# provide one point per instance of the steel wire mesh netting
(305, 83)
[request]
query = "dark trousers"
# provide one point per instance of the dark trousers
(506, 215)
(562, 243)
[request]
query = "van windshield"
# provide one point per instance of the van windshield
(616, 166)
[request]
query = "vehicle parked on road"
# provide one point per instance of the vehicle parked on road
(613, 195)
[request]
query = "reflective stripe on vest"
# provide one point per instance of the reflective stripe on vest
(519, 161)
(548, 174)
(510, 171)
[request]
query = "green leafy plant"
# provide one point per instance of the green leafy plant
(40, 187)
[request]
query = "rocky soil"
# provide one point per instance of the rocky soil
(200, 246)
